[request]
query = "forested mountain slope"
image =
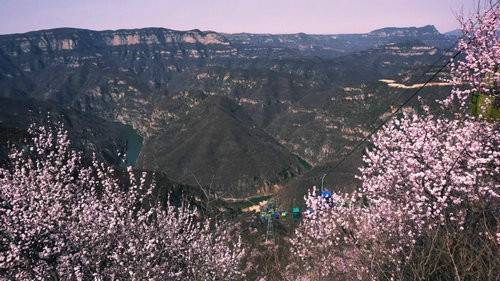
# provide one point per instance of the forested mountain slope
(303, 98)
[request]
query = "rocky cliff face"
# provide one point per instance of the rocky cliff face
(329, 46)
(78, 39)
(309, 95)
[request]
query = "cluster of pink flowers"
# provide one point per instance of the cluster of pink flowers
(477, 70)
(433, 168)
(345, 238)
(423, 172)
(63, 219)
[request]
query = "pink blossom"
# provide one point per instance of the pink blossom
(61, 218)
(423, 172)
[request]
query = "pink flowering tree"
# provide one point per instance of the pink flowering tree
(477, 71)
(430, 190)
(342, 238)
(63, 219)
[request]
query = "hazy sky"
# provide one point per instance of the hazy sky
(257, 16)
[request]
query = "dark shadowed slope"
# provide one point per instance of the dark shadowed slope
(218, 143)
(88, 133)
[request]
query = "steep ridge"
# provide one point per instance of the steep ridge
(218, 144)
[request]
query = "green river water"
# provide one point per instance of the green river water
(134, 145)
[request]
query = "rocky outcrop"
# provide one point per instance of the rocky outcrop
(162, 36)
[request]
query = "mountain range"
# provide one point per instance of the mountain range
(243, 113)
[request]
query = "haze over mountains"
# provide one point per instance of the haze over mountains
(246, 113)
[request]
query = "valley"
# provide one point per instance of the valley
(246, 114)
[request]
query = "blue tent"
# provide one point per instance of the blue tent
(326, 194)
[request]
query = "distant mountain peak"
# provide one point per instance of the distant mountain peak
(430, 28)
(406, 31)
